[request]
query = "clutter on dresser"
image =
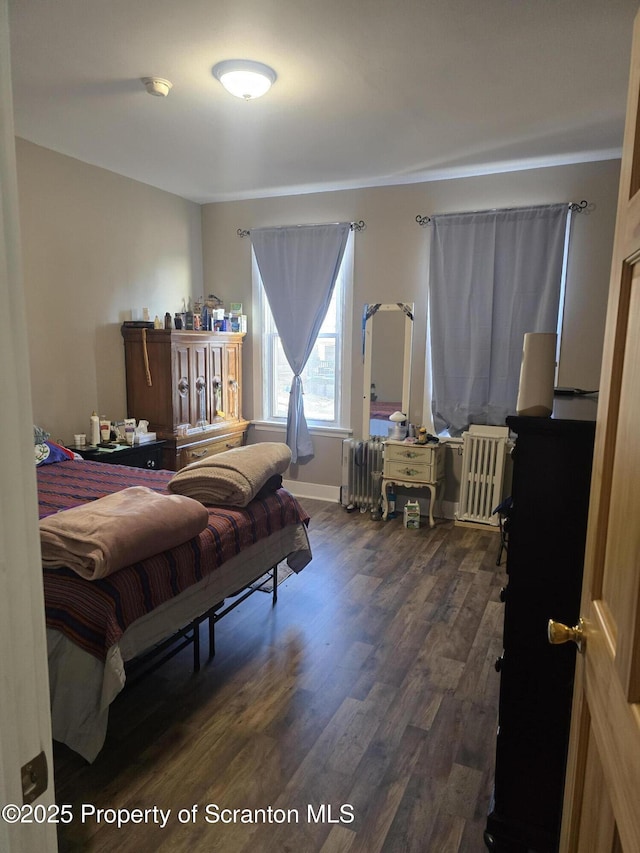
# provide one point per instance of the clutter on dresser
(203, 315)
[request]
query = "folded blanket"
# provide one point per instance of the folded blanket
(102, 536)
(232, 478)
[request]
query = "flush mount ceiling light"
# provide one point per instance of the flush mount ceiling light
(244, 78)
(157, 86)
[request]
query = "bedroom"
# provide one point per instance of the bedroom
(97, 245)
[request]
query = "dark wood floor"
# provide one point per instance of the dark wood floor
(370, 688)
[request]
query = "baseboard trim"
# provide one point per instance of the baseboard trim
(447, 509)
(478, 525)
(316, 491)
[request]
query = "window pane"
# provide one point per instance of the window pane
(318, 380)
(319, 375)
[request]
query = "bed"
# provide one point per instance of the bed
(95, 626)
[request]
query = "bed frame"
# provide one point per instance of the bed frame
(150, 661)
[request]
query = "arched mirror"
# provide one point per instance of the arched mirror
(387, 331)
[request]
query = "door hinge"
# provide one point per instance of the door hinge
(35, 778)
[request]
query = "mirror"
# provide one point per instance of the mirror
(387, 332)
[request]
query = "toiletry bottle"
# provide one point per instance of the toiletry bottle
(391, 502)
(94, 429)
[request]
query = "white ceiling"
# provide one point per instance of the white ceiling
(369, 92)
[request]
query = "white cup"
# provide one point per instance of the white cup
(80, 439)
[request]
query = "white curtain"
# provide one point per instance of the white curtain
(299, 266)
(493, 276)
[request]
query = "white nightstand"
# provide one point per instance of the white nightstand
(419, 466)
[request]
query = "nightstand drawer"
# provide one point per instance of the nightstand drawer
(408, 470)
(408, 453)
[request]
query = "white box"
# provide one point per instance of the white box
(411, 515)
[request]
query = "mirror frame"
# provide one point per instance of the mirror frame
(370, 310)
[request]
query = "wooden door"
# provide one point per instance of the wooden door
(216, 372)
(199, 392)
(602, 791)
(233, 372)
(181, 383)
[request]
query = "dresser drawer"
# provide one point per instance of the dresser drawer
(408, 470)
(196, 452)
(408, 453)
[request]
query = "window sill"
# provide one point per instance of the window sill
(327, 431)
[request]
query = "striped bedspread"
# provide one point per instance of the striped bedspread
(95, 614)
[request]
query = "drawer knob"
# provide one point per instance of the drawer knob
(151, 463)
(559, 633)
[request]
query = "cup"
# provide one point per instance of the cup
(80, 439)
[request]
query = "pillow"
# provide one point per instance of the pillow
(48, 452)
(234, 477)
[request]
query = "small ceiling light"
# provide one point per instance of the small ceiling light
(244, 78)
(157, 86)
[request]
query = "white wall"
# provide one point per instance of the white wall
(97, 247)
(391, 263)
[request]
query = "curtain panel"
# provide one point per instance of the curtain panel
(493, 276)
(299, 266)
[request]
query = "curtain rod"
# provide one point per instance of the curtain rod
(574, 206)
(355, 226)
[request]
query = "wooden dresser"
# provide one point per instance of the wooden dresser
(188, 385)
(547, 526)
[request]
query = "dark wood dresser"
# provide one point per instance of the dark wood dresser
(188, 386)
(552, 461)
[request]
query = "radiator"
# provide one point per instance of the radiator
(360, 461)
(482, 478)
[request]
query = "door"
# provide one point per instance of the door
(25, 723)
(602, 791)
(233, 371)
(181, 383)
(200, 410)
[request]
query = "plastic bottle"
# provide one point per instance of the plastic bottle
(391, 502)
(94, 429)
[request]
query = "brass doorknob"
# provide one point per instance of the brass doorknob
(559, 633)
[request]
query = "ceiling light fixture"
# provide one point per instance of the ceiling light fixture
(157, 86)
(244, 78)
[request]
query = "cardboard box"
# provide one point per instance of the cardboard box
(411, 516)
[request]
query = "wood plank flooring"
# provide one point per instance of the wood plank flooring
(359, 714)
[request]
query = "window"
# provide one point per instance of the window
(326, 377)
(494, 275)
